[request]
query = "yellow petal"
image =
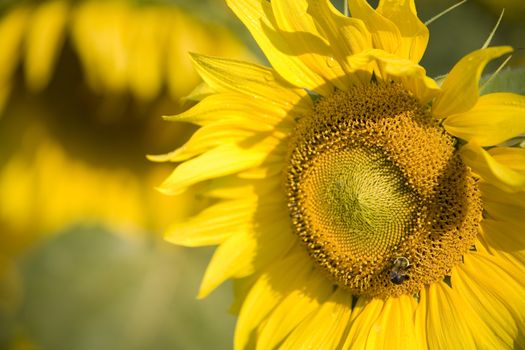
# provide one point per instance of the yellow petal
(206, 138)
(484, 311)
(491, 193)
(223, 160)
(385, 34)
(347, 36)
(44, 42)
(399, 312)
(414, 33)
(460, 90)
(252, 248)
(247, 111)
(293, 309)
(280, 279)
(420, 318)
(256, 81)
(408, 73)
(504, 235)
(233, 187)
(12, 28)
(378, 331)
(495, 290)
(446, 328)
(214, 224)
(363, 319)
(258, 17)
(325, 328)
(229, 261)
(145, 69)
(494, 119)
(306, 42)
(501, 166)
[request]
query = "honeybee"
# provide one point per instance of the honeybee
(398, 270)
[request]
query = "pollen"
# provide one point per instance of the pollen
(373, 179)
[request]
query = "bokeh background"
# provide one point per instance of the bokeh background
(83, 86)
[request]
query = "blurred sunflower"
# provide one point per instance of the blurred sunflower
(358, 204)
(80, 84)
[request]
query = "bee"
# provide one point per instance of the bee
(398, 270)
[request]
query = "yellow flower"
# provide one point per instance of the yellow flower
(357, 203)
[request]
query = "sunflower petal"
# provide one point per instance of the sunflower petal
(306, 42)
(223, 160)
(258, 17)
(460, 90)
(494, 119)
(485, 309)
(325, 328)
(293, 309)
(259, 82)
(504, 235)
(420, 318)
(380, 333)
(414, 33)
(495, 288)
(363, 319)
(445, 325)
(502, 167)
(214, 224)
(347, 36)
(280, 279)
(385, 34)
(226, 262)
(44, 42)
(260, 247)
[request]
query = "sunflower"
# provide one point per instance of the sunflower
(357, 203)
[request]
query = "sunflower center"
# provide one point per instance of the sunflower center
(377, 192)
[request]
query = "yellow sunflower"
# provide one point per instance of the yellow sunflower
(357, 203)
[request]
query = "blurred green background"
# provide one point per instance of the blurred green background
(82, 87)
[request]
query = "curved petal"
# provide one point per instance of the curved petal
(325, 328)
(347, 36)
(258, 17)
(280, 279)
(460, 90)
(297, 306)
(259, 248)
(222, 160)
(259, 82)
(502, 166)
(414, 33)
(214, 224)
(306, 42)
(410, 74)
(385, 34)
(494, 119)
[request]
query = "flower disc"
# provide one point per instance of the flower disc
(373, 180)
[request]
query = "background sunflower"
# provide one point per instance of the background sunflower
(82, 87)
